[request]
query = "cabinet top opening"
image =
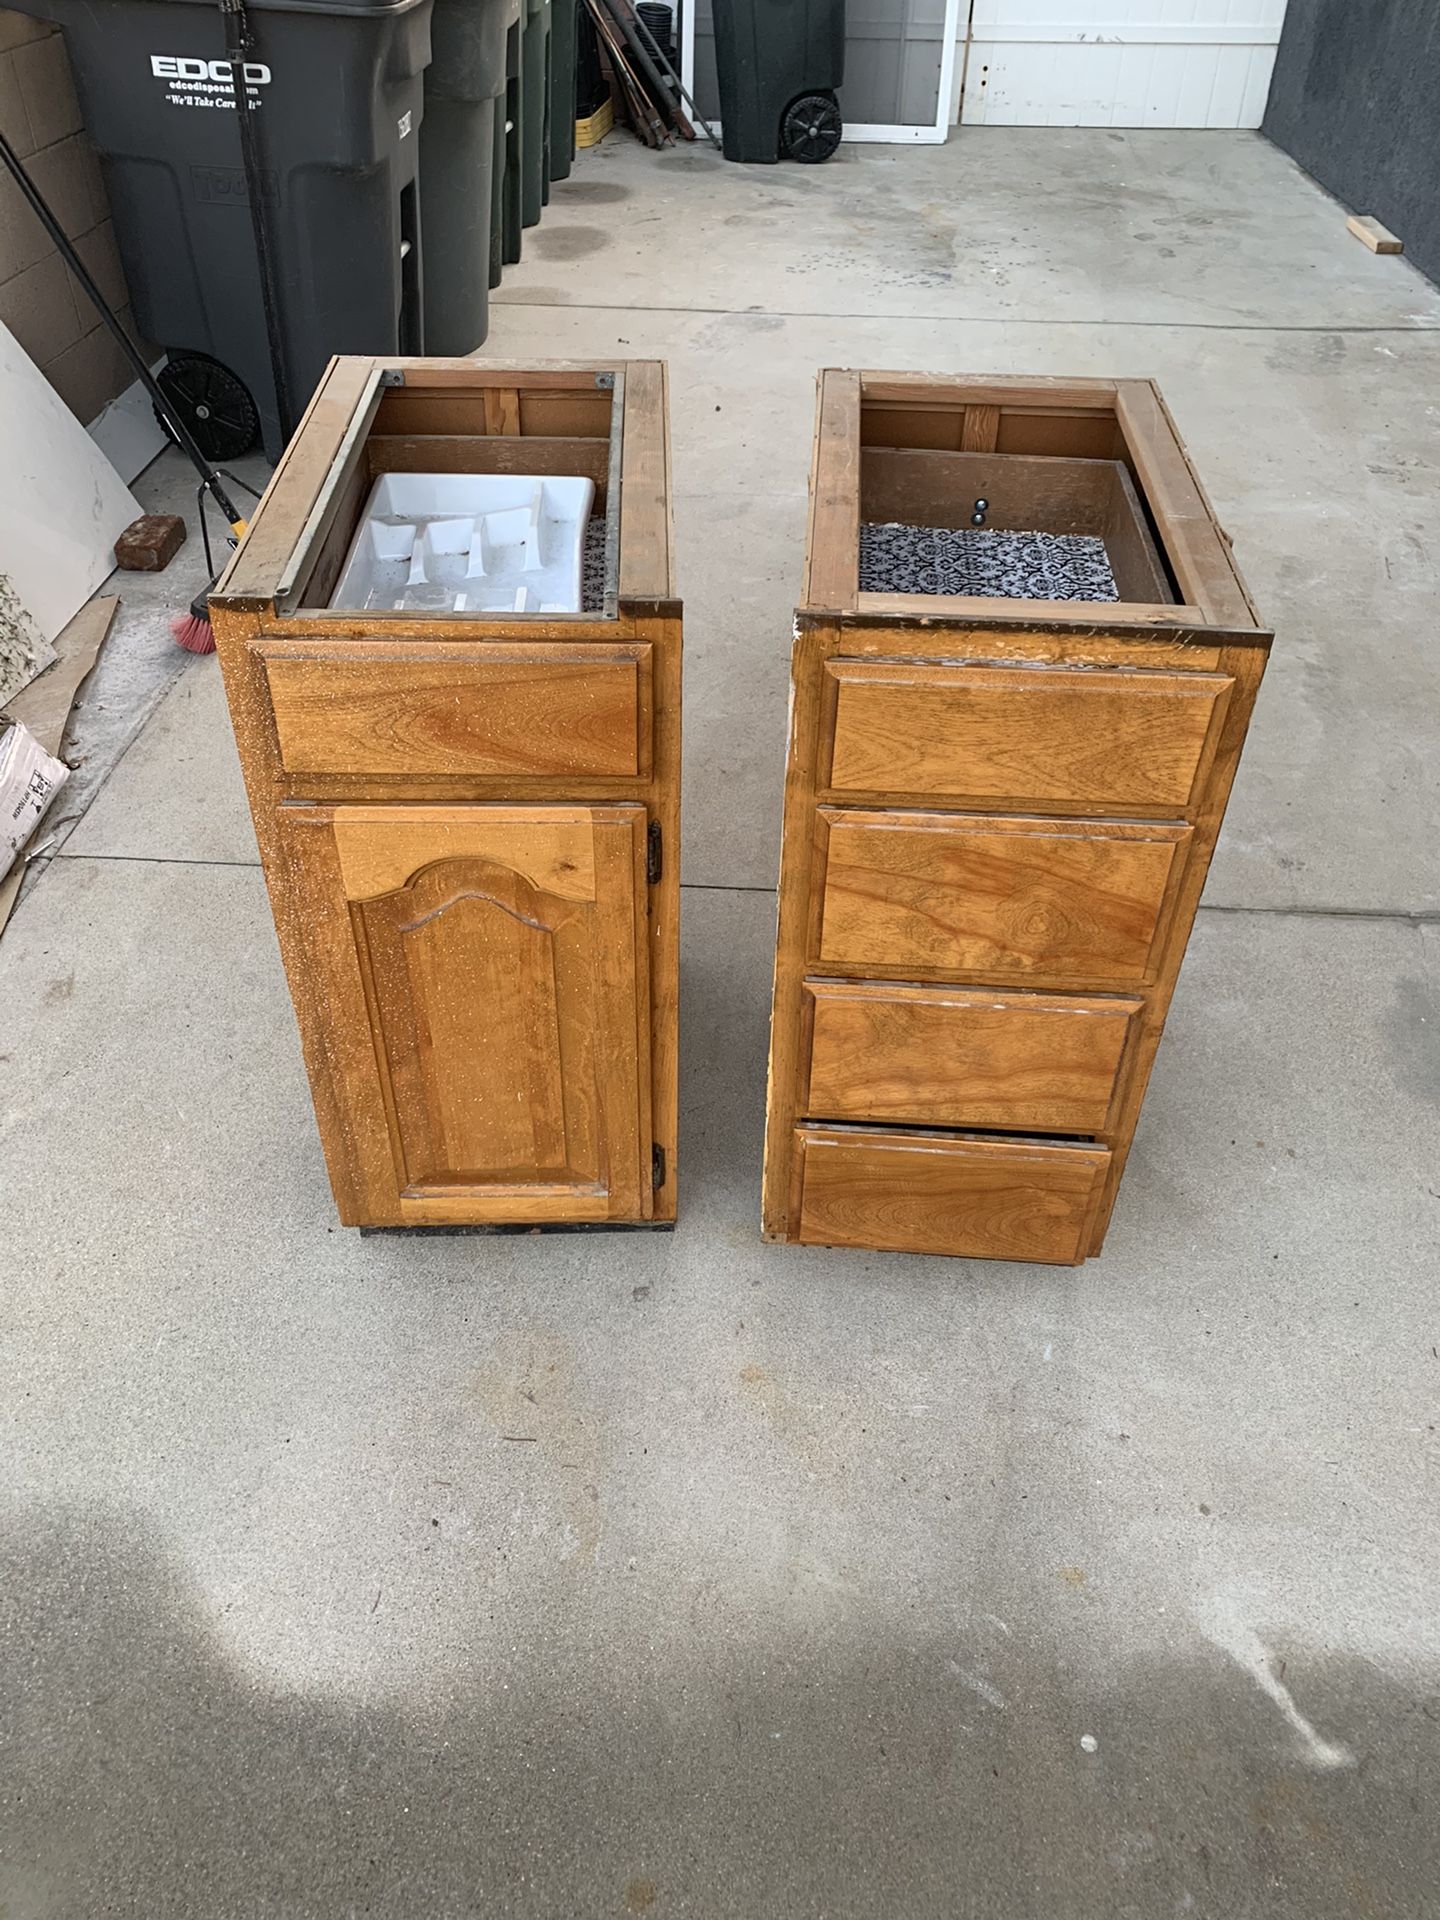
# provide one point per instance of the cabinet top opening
(375, 426)
(977, 499)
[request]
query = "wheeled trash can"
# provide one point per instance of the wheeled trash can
(779, 64)
(464, 92)
(334, 91)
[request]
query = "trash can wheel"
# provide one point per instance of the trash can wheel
(811, 127)
(213, 402)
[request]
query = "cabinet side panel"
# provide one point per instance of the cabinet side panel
(250, 716)
(1247, 665)
(792, 926)
(663, 921)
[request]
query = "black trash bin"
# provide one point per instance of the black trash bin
(534, 99)
(505, 176)
(563, 29)
(338, 93)
(457, 159)
(778, 64)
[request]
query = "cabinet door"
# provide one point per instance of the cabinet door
(478, 987)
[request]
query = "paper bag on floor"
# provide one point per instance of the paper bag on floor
(29, 781)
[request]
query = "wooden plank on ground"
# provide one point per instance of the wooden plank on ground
(1378, 238)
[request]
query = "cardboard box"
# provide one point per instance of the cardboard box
(29, 781)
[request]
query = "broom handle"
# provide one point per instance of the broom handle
(64, 247)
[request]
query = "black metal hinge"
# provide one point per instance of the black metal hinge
(657, 1165)
(654, 852)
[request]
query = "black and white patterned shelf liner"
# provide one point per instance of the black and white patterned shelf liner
(987, 561)
(592, 567)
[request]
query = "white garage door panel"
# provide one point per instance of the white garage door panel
(1120, 63)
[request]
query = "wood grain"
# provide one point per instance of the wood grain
(958, 894)
(1064, 738)
(916, 609)
(947, 1057)
(1199, 556)
(494, 953)
(377, 708)
(985, 1200)
(1376, 235)
(981, 429)
(962, 932)
(832, 552)
(457, 840)
(646, 559)
(470, 453)
(279, 519)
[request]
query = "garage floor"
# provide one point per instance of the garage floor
(683, 1575)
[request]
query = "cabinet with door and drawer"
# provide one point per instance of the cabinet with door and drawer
(469, 816)
(1000, 807)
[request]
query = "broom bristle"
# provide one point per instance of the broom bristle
(193, 633)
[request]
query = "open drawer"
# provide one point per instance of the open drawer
(947, 1193)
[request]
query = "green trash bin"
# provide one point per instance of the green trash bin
(563, 27)
(505, 170)
(534, 95)
(457, 156)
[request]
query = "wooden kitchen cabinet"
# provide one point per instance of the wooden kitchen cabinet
(999, 812)
(469, 822)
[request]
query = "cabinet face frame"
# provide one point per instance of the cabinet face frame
(1209, 630)
(369, 416)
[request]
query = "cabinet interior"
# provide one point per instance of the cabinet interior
(1050, 470)
(427, 423)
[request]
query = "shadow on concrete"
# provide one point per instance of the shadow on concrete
(146, 1774)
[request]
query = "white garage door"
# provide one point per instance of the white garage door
(1119, 63)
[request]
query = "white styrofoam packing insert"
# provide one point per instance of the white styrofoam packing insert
(468, 542)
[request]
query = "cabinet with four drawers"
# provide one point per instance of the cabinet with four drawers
(999, 807)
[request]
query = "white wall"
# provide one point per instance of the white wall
(1118, 63)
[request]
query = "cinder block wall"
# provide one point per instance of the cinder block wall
(39, 300)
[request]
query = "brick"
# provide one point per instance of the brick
(44, 70)
(150, 543)
(18, 29)
(14, 121)
(38, 306)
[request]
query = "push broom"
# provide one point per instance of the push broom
(192, 630)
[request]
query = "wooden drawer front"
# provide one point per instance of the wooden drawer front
(956, 893)
(928, 1193)
(948, 1057)
(374, 707)
(1062, 737)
